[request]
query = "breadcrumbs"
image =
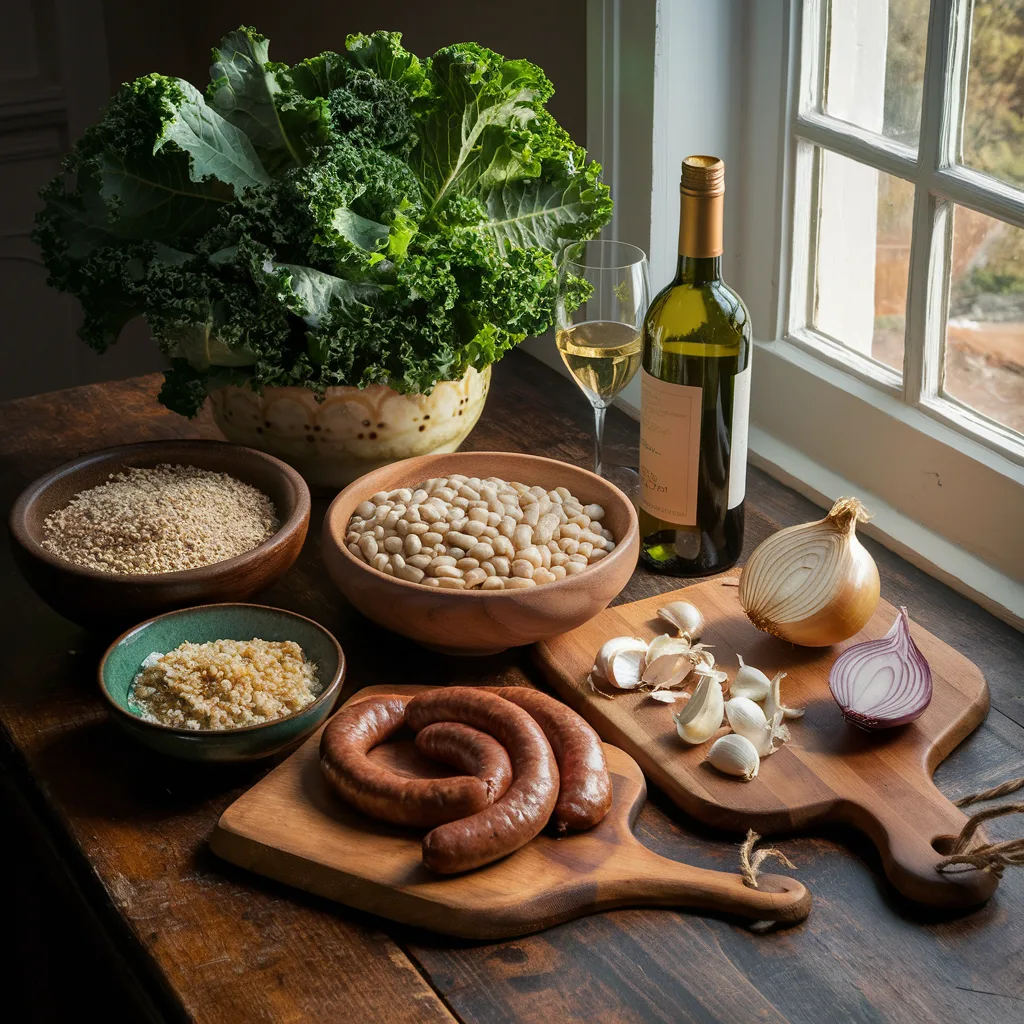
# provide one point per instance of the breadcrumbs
(162, 519)
(224, 684)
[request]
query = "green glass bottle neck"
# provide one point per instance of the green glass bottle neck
(698, 270)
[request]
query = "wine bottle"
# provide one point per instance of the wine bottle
(695, 396)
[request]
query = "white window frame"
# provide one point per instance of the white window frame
(938, 181)
(723, 77)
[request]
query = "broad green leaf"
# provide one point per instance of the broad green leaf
(474, 134)
(383, 53)
(318, 291)
(367, 234)
(216, 146)
(534, 213)
(246, 89)
(154, 197)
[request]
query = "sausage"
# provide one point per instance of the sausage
(523, 811)
(585, 793)
(383, 794)
(471, 751)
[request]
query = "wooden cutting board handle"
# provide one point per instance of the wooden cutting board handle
(912, 837)
(648, 879)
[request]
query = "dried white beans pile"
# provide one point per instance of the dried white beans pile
(466, 533)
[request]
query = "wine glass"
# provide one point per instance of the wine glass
(603, 292)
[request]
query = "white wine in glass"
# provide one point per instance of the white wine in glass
(603, 291)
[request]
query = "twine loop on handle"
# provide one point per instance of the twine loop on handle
(750, 862)
(968, 852)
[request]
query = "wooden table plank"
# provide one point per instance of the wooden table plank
(218, 945)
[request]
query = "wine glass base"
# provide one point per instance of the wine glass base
(625, 478)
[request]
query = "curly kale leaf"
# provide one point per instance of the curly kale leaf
(261, 100)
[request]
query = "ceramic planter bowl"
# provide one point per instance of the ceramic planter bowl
(353, 430)
(108, 600)
(482, 622)
(209, 622)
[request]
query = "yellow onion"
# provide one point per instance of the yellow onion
(812, 584)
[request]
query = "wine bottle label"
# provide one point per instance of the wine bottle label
(740, 421)
(669, 449)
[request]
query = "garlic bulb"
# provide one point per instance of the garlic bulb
(813, 584)
(735, 755)
(702, 716)
(620, 662)
(750, 682)
(747, 719)
(684, 616)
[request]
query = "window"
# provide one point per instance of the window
(907, 260)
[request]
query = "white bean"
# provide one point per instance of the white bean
(379, 498)
(365, 509)
(572, 530)
(419, 528)
(431, 537)
(522, 568)
(585, 549)
(452, 584)
(558, 571)
(503, 546)
(465, 564)
(475, 577)
(597, 553)
(431, 582)
(356, 550)
(412, 545)
(460, 503)
(446, 572)
(545, 556)
(571, 568)
(594, 511)
(393, 544)
(531, 515)
(488, 569)
(419, 495)
(397, 561)
(546, 528)
(478, 515)
(421, 561)
(410, 573)
(522, 537)
(481, 551)
(379, 561)
(518, 583)
(569, 546)
(493, 583)
(502, 566)
(474, 528)
(442, 561)
(469, 493)
(368, 546)
(457, 552)
(489, 532)
(402, 526)
(531, 555)
(412, 514)
(559, 558)
(541, 576)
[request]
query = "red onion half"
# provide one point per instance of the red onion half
(882, 683)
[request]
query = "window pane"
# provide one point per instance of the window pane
(876, 65)
(863, 257)
(993, 131)
(984, 360)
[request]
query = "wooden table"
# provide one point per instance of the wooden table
(116, 904)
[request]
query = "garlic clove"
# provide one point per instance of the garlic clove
(669, 670)
(633, 647)
(666, 643)
(747, 719)
(734, 754)
(703, 669)
(702, 716)
(750, 682)
(684, 616)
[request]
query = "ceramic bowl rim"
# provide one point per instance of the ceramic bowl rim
(600, 570)
(331, 689)
(200, 574)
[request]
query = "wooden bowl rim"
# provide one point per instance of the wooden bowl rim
(201, 574)
(333, 687)
(605, 567)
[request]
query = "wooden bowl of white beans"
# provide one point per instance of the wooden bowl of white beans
(510, 566)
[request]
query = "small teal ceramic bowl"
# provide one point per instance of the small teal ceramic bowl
(202, 624)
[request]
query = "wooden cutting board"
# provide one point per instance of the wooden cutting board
(830, 771)
(290, 826)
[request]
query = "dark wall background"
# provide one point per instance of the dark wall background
(60, 62)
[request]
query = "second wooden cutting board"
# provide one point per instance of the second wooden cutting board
(830, 771)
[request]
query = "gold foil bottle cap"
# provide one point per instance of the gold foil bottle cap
(703, 176)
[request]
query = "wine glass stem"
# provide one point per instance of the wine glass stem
(599, 411)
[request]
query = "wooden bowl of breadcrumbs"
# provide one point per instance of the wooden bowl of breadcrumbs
(129, 532)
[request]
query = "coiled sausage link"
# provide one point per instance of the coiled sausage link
(469, 750)
(523, 811)
(585, 791)
(383, 794)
